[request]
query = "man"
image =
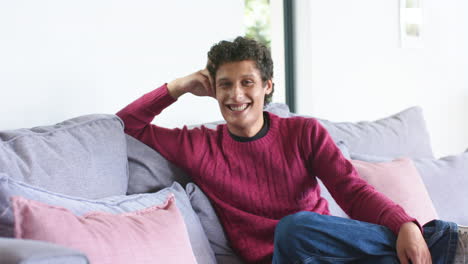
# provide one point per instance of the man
(259, 168)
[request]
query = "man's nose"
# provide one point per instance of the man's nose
(237, 91)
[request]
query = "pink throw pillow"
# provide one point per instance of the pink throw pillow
(400, 181)
(153, 235)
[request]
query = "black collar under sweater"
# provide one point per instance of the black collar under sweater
(260, 134)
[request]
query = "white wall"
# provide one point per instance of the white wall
(351, 66)
(60, 59)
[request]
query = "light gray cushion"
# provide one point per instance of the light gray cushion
(446, 180)
(113, 204)
(21, 251)
(84, 156)
(148, 170)
(372, 158)
(279, 109)
(402, 134)
(214, 231)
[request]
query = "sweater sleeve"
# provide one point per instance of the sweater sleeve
(176, 145)
(355, 196)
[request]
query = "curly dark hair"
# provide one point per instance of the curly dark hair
(238, 50)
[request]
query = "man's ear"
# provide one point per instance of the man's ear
(269, 86)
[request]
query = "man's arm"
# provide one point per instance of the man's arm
(357, 198)
(177, 145)
(361, 201)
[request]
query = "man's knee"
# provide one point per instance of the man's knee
(293, 235)
(292, 225)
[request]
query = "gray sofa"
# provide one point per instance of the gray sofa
(88, 164)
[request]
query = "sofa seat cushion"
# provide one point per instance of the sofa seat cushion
(84, 156)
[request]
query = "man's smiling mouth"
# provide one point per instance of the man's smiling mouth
(238, 107)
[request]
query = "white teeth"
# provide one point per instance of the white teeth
(238, 108)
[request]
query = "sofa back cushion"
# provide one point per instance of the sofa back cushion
(148, 170)
(84, 156)
(401, 134)
(446, 180)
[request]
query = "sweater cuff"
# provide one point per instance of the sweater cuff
(161, 96)
(398, 219)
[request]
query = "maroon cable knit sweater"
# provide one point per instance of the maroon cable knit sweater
(252, 185)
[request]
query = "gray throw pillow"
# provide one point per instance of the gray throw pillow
(446, 180)
(148, 170)
(279, 109)
(84, 156)
(372, 158)
(210, 222)
(23, 251)
(113, 204)
(402, 134)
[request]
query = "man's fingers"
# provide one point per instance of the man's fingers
(208, 87)
(205, 88)
(209, 84)
(212, 85)
(418, 257)
(427, 257)
(403, 258)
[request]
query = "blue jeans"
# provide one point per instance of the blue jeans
(307, 237)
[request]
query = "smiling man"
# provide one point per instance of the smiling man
(260, 172)
(241, 92)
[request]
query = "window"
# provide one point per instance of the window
(257, 20)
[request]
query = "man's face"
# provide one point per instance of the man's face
(240, 92)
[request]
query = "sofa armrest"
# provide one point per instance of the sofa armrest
(22, 251)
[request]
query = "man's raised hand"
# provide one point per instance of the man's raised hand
(198, 83)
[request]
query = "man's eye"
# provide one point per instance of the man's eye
(248, 82)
